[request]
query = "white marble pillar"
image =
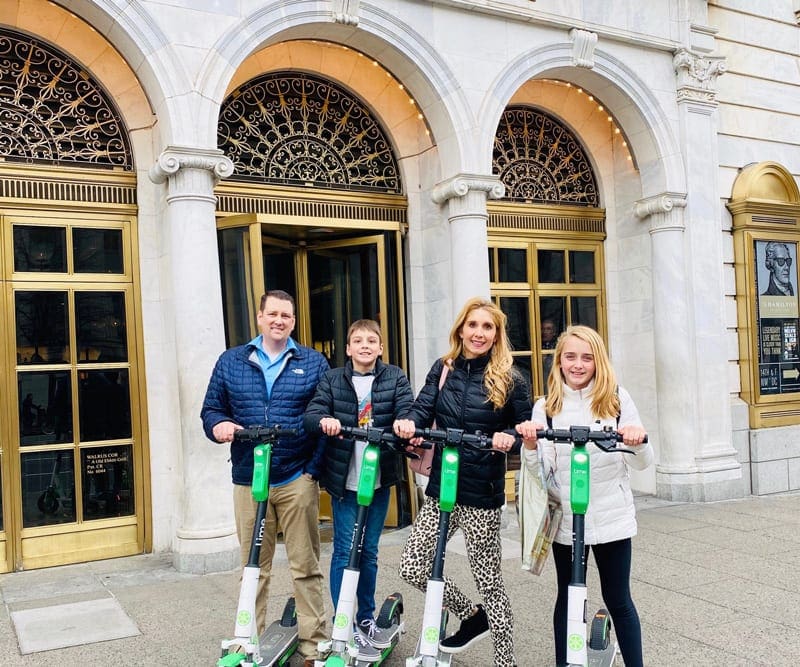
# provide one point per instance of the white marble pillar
(206, 539)
(466, 196)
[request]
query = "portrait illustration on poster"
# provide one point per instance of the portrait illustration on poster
(776, 279)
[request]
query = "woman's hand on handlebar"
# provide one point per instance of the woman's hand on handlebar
(330, 426)
(527, 430)
(503, 442)
(223, 431)
(405, 429)
(632, 435)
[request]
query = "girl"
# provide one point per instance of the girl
(583, 391)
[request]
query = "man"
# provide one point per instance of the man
(549, 335)
(269, 381)
(778, 261)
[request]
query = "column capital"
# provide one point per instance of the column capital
(174, 158)
(662, 203)
(461, 184)
(697, 76)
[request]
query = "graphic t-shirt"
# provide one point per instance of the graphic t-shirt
(363, 387)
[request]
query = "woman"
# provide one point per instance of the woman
(481, 392)
(583, 391)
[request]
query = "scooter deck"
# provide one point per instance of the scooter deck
(277, 644)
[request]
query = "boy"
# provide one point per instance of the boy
(366, 392)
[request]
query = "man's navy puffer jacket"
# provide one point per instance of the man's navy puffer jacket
(237, 392)
(462, 404)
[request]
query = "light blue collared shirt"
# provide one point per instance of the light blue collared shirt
(271, 368)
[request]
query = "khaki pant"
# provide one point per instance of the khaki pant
(295, 506)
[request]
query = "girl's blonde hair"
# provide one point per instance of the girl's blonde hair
(499, 376)
(605, 398)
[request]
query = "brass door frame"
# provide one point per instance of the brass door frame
(72, 542)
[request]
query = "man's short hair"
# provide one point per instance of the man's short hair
(276, 294)
(770, 251)
(369, 325)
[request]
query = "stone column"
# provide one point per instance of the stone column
(703, 466)
(466, 196)
(206, 539)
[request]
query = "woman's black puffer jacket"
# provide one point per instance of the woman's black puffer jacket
(462, 404)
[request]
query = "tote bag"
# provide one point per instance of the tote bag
(539, 516)
(423, 464)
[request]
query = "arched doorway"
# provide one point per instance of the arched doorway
(315, 208)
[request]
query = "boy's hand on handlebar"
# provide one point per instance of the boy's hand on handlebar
(223, 432)
(330, 426)
(527, 430)
(632, 435)
(502, 442)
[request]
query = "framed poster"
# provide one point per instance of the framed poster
(775, 271)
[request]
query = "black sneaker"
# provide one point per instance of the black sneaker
(472, 630)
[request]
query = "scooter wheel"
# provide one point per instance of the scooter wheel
(600, 634)
(289, 617)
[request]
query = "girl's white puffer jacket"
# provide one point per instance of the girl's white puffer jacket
(611, 514)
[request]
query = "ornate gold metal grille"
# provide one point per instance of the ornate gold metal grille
(287, 128)
(540, 161)
(53, 112)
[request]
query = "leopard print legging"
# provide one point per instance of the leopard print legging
(481, 528)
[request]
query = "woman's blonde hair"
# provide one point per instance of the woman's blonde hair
(605, 399)
(499, 376)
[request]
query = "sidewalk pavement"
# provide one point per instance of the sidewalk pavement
(715, 584)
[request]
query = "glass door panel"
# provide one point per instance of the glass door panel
(345, 284)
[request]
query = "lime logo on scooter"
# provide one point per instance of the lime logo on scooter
(341, 621)
(575, 642)
(243, 618)
(431, 634)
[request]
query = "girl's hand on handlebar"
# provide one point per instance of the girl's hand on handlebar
(632, 435)
(223, 432)
(502, 442)
(527, 430)
(330, 426)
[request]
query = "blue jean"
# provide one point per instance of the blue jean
(345, 511)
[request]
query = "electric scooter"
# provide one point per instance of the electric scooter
(340, 648)
(599, 650)
(279, 641)
(434, 617)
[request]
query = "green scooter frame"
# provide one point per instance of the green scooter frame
(340, 649)
(434, 617)
(595, 649)
(279, 641)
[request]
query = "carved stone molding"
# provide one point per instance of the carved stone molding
(460, 185)
(174, 159)
(660, 210)
(697, 75)
(345, 11)
(583, 46)
(191, 173)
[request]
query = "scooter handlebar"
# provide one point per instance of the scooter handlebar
(606, 439)
(373, 435)
(455, 437)
(262, 434)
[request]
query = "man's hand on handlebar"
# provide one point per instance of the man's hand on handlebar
(223, 431)
(527, 430)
